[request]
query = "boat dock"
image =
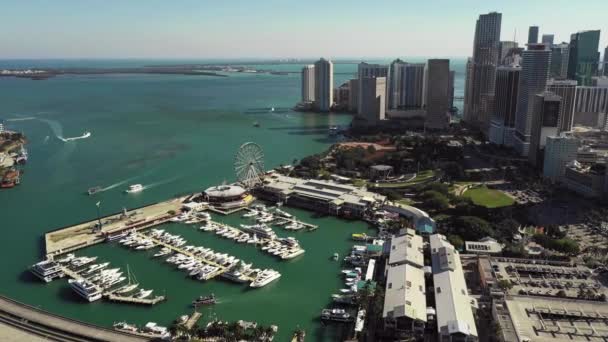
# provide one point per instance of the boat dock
(221, 268)
(192, 320)
(133, 300)
(110, 294)
(309, 226)
(86, 234)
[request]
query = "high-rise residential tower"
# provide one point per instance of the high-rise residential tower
(584, 56)
(366, 70)
(308, 84)
(437, 96)
(406, 83)
(566, 89)
(559, 61)
(353, 100)
(372, 99)
(324, 84)
(547, 39)
(483, 70)
(505, 105)
(532, 81)
(533, 35)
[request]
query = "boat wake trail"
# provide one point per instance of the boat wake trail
(168, 180)
(27, 118)
(115, 185)
(57, 129)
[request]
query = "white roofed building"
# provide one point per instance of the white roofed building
(405, 299)
(454, 306)
(406, 249)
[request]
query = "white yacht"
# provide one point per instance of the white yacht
(265, 277)
(85, 289)
(143, 293)
(95, 267)
(134, 188)
(260, 230)
(47, 270)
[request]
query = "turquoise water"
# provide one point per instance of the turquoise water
(174, 134)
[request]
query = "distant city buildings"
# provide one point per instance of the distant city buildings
(591, 107)
(566, 89)
(559, 61)
(372, 97)
(533, 35)
(438, 94)
(353, 101)
(506, 92)
(324, 83)
(481, 71)
(605, 69)
(308, 84)
(532, 81)
(559, 151)
(545, 117)
(505, 49)
(547, 39)
(584, 56)
(406, 88)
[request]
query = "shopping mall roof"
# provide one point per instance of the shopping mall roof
(225, 191)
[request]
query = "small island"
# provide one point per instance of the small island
(12, 155)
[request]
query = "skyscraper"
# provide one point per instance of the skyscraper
(566, 89)
(533, 79)
(369, 70)
(559, 151)
(591, 106)
(324, 84)
(353, 100)
(584, 56)
(533, 35)
(308, 83)
(547, 39)
(505, 105)
(505, 49)
(437, 93)
(606, 61)
(406, 81)
(544, 123)
(372, 101)
(483, 70)
(559, 61)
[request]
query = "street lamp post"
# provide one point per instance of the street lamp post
(98, 216)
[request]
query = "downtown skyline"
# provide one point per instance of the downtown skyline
(271, 29)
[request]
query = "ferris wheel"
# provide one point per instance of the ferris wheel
(249, 164)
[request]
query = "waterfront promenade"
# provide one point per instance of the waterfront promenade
(84, 234)
(34, 322)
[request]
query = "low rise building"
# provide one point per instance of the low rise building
(486, 245)
(320, 195)
(422, 221)
(454, 306)
(405, 300)
(406, 249)
(586, 180)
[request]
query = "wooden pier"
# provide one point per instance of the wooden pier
(192, 320)
(133, 300)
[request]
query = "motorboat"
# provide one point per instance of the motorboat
(85, 289)
(265, 277)
(47, 270)
(134, 188)
(92, 191)
(143, 293)
(204, 300)
(337, 315)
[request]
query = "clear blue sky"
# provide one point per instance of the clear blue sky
(275, 28)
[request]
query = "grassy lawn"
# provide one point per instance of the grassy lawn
(423, 176)
(488, 198)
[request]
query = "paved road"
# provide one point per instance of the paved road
(50, 327)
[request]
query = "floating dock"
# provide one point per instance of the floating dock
(110, 294)
(189, 324)
(133, 300)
